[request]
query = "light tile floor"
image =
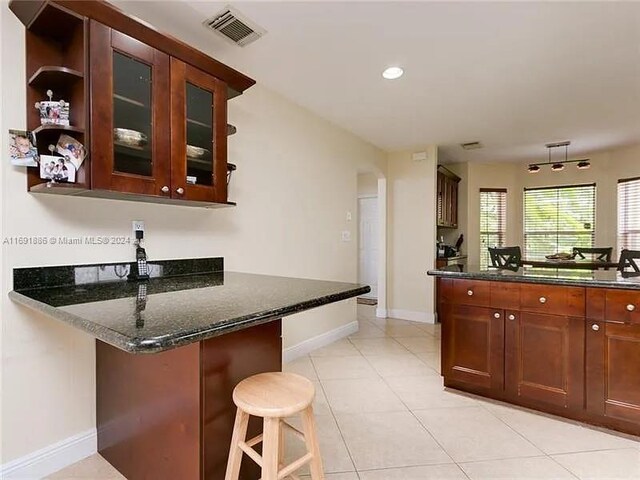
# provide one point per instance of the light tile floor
(383, 414)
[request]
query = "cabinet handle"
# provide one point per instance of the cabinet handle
(512, 317)
(496, 315)
(595, 327)
(165, 189)
(543, 300)
(470, 292)
(179, 190)
(631, 307)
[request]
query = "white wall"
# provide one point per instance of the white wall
(606, 169)
(412, 232)
(296, 179)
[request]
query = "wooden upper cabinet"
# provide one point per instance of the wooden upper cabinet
(130, 114)
(150, 110)
(447, 198)
(198, 135)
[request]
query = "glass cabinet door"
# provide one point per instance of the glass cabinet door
(199, 139)
(130, 118)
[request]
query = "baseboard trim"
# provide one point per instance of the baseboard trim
(423, 317)
(324, 339)
(381, 312)
(52, 458)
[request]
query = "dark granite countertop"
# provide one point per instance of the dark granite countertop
(174, 307)
(555, 276)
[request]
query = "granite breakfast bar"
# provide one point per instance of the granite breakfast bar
(170, 350)
(566, 342)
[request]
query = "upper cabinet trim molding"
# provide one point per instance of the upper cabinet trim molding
(28, 10)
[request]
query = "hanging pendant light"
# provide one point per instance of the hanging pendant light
(558, 166)
(584, 164)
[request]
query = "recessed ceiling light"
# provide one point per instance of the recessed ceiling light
(392, 73)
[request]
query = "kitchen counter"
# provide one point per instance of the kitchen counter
(552, 276)
(174, 308)
(566, 342)
(170, 414)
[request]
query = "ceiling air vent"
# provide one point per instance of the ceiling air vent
(471, 145)
(235, 27)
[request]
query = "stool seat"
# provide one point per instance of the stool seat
(274, 394)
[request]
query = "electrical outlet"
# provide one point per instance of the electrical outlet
(349, 216)
(346, 236)
(137, 225)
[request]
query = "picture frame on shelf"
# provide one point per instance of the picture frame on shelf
(57, 169)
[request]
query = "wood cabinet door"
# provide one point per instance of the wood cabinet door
(130, 114)
(473, 346)
(613, 370)
(198, 135)
(440, 199)
(544, 358)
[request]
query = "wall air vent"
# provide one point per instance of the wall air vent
(471, 145)
(231, 25)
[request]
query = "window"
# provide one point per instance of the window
(493, 221)
(629, 214)
(556, 219)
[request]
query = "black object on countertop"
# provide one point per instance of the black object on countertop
(578, 277)
(181, 307)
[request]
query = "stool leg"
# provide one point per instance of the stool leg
(311, 439)
(281, 448)
(270, 448)
(235, 453)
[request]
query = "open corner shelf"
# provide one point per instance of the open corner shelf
(59, 188)
(61, 128)
(53, 77)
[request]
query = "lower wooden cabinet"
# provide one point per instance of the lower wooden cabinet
(613, 370)
(473, 346)
(544, 358)
(575, 362)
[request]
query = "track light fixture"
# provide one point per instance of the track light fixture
(558, 166)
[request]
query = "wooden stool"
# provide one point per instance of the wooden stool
(274, 396)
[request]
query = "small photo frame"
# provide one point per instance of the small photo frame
(72, 149)
(57, 169)
(22, 148)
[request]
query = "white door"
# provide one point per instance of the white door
(368, 244)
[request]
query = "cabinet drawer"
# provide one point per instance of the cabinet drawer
(472, 292)
(622, 306)
(552, 299)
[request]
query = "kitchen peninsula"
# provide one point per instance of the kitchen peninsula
(566, 342)
(170, 350)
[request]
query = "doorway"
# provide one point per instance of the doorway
(368, 244)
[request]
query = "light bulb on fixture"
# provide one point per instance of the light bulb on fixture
(557, 167)
(584, 164)
(534, 168)
(391, 73)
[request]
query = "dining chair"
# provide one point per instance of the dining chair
(601, 253)
(628, 260)
(505, 257)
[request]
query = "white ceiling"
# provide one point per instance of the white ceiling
(512, 75)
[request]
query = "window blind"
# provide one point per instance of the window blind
(493, 221)
(629, 214)
(556, 219)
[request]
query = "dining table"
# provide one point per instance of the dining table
(588, 264)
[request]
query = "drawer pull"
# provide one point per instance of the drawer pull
(595, 327)
(470, 293)
(631, 307)
(512, 317)
(543, 300)
(496, 315)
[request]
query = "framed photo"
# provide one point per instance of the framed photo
(53, 112)
(72, 149)
(57, 169)
(22, 148)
